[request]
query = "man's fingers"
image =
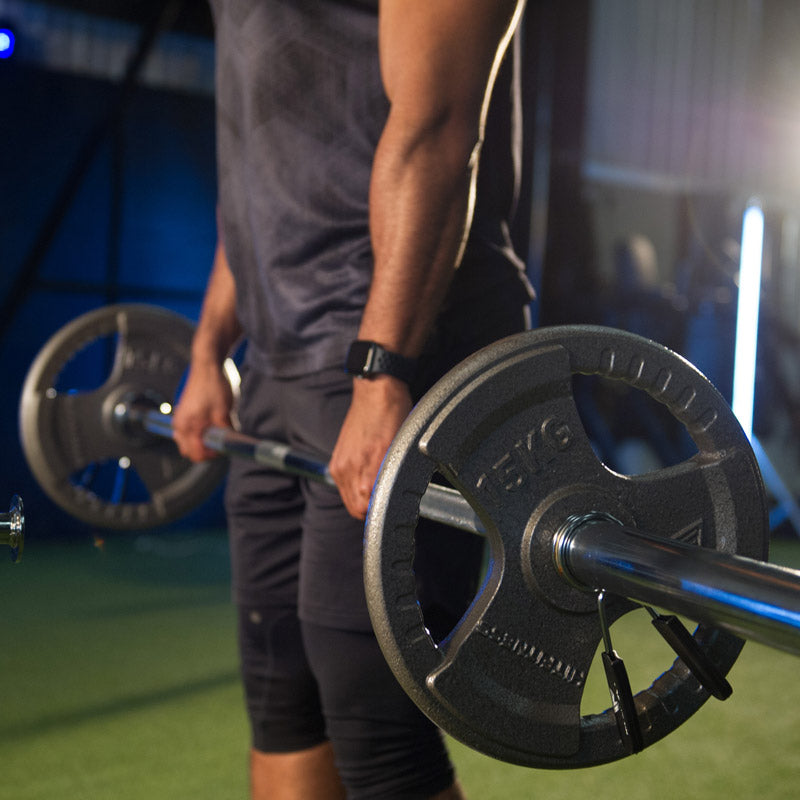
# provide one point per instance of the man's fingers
(190, 442)
(355, 486)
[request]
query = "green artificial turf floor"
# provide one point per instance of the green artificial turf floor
(119, 681)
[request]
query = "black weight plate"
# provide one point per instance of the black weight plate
(83, 459)
(504, 429)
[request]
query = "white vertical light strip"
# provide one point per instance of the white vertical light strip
(744, 359)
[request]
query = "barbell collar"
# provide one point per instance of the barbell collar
(12, 528)
(439, 503)
(749, 598)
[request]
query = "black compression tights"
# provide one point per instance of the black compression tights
(385, 748)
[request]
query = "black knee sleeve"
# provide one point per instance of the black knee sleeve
(281, 694)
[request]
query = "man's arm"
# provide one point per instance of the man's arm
(206, 398)
(438, 62)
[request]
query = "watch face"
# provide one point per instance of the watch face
(359, 358)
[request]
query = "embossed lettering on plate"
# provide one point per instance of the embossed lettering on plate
(538, 658)
(526, 459)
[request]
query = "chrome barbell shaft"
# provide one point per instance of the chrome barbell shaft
(439, 503)
(749, 598)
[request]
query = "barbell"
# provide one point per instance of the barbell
(496, 448)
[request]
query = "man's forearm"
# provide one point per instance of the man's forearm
(420, 208)
(439, 62)
(218, 329)
(206, 397)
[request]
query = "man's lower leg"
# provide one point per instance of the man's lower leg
(302, 775)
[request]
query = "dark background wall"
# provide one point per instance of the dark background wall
(644, 120)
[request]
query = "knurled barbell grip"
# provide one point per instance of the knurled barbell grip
(12, 528)
(439, 503)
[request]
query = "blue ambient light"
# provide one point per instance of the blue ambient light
(6, 42)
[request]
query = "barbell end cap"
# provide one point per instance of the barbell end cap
(12, 528)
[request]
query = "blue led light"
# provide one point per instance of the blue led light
(6, 42)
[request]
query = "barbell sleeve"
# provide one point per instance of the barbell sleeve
(12, 528)
(439, 503)
(749, 598)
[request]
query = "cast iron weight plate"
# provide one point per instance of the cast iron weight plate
(70, 435)
(503, 428)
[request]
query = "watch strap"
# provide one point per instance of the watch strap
(365, 358)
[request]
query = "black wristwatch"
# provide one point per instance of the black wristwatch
(365, 359)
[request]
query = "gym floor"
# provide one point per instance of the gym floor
(119, 671)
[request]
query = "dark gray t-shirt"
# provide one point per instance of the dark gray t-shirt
(300, 109)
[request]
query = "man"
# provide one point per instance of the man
(349, 138)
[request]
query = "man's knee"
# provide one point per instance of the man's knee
(280, 691)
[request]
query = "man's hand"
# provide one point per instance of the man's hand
(205, 401)
(379, 406)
